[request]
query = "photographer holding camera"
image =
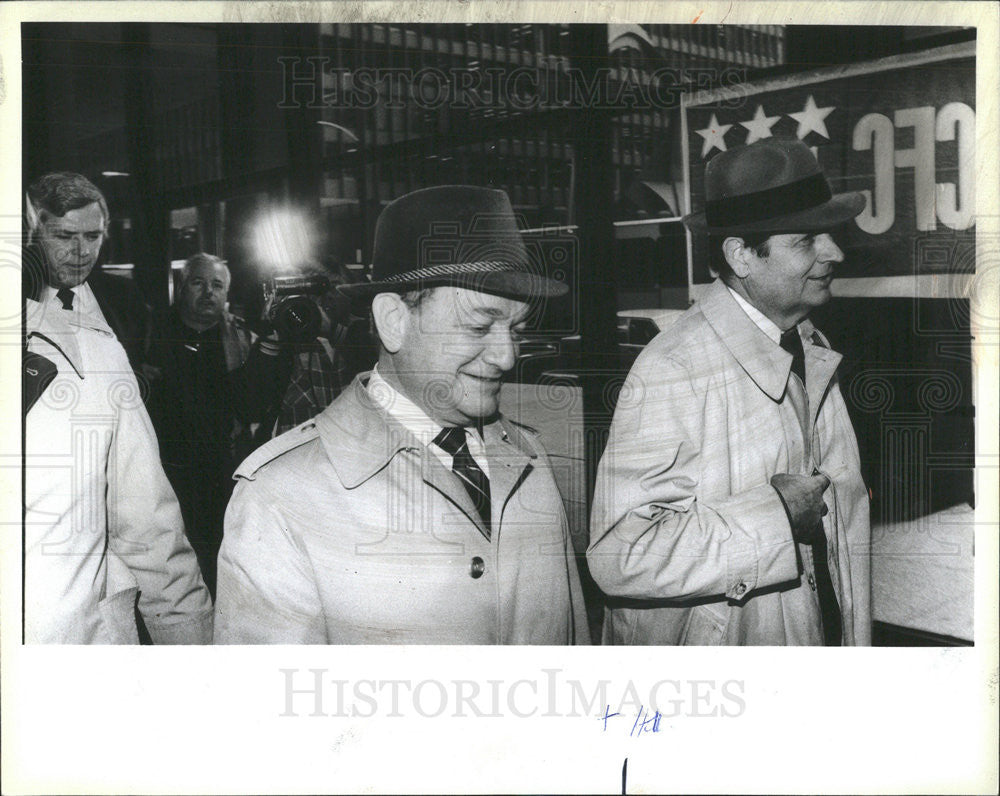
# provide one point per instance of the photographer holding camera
(309, 356)
(200, 400)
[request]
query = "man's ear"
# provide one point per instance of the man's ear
(737, 255)
(34, 221)
(392, 319)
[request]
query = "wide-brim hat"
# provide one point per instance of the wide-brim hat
(457, 235)
(773, 185)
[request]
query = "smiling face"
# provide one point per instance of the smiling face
(451, 351)
(71, 244)
(793, 279)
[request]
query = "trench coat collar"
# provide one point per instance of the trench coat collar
(103, 291)
(360, 439)
(767, 364)
(57, 326)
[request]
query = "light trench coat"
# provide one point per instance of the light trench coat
(687, 535)
(346, 530)
(102, 528)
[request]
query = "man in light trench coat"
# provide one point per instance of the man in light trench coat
(729, 506)
(410, 510)
(103, 534)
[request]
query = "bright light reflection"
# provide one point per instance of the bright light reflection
(282, 239)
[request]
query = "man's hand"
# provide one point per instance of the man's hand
(803, 499)
(270, 343)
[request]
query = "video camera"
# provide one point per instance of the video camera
(292, 305)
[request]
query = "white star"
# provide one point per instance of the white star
(811, 118)
(760, 125)
(714, 135)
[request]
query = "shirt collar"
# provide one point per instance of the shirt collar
(49, 294)
(419, 424)
(762, 322)
(402, 409)
(84, 301)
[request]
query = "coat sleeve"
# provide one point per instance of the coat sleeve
(652, 537)
(266, 590)
(146, 530)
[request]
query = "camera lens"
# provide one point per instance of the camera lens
(297, 318)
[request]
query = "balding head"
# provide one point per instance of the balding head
(204, 290)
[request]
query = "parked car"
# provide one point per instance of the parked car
(637, 327)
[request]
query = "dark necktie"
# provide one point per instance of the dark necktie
(65, 295)
(452, 440)
(792, 343)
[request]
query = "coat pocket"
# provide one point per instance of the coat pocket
(704, 627)
(118, 617)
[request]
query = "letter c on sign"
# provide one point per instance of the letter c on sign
(955, 207)
(875, 131)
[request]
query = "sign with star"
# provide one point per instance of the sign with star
(900, 130)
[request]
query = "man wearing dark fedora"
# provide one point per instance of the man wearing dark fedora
(729, 506)
(410, 510)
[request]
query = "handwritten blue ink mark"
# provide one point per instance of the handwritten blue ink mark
(648, 724)
(607, 716)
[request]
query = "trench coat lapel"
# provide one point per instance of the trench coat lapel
(821, 365)
(440, 478)
(510, 463)
(360, 439)
(58, 327)
(766, 363)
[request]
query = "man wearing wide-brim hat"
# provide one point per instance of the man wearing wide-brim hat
(410, 510)
(729, 498)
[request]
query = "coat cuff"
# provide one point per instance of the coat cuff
(194, 629)
(761, 551)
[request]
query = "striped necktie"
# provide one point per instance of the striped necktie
(452, 440)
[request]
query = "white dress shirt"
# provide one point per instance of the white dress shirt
(765, 324)
(415, 420)
(84, 301)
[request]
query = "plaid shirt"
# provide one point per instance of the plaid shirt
(319, 374)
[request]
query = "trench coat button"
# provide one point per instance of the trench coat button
(477, 567)
(812, 581)
(741, 589)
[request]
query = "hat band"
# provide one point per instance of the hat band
(452, 269)
(804, 194)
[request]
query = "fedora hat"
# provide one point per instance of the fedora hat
(458, 235)
(773, 185)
